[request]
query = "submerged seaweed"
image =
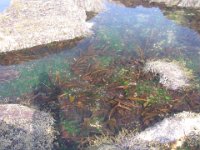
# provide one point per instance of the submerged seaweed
(99, 87)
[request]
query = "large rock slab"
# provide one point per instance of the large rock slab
(23, 128)
(30, 23)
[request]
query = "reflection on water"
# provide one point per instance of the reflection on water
(4, 4)
(98, 85)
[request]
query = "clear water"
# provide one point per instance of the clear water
(121, 29)
(121, 35)
(4, 4)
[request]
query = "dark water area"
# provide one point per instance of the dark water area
(4, 4)
(96, 86)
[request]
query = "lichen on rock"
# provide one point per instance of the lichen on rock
(172, 75)
(23, 128)
(180, 127)
(26, 24)
(171, 132)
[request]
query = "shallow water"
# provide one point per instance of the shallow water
(120, 29)
(96, 64)
(4, 4)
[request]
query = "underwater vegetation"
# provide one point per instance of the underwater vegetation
(99, 87)
(105, 94)
(8, 74)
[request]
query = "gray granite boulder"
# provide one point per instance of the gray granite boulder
(23, 128)
(30, 23)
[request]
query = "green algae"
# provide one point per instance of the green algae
(154, 94)
(71, 127)
(105, 60)
(33, 75)
(111, 37)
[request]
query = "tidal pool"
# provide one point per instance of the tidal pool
(97, 84)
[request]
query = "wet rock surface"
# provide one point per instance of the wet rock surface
(23, 128)
(30, 23)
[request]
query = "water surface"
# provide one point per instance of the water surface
(119, 29)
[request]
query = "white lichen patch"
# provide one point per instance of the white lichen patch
(172, 74)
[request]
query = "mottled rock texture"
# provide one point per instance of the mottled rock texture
(171, 132)
(178, 127)
(23, 128)
(172, 75)
(90, 5)
(28, 23)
